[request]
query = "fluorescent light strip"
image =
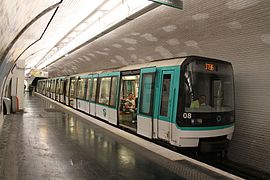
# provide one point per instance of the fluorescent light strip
(86, 11)
(103, 19)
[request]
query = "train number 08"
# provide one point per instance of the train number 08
(187, 115)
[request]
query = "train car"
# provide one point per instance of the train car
(186, 102)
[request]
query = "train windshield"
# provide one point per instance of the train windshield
(208, 93)
(208, 90)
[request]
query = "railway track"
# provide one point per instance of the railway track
(232, 167)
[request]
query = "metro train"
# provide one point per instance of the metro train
(185, 101)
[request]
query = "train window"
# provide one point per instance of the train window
(67, 87)
(113, 91)
(104, 90)
(52, 86)
(88, 89)
(47, 85)
(72, 88)
(81, 86)
(41, 86)
(94, 90)
(129, 84)
(165, 94)
(57, 87)
(61, 87)
(44, 86)
(208, 91)
(146, 93)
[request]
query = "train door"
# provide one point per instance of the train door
(48, 88)
(113, 102)
(145, 105)
(62, 90)
(89, 93)
(57, 86)
(53, 89)
(81, 89)
(93, 94)
(127, 106)
(72, 92)
(166, 100)
(67, 91)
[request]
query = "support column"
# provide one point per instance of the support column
(17, 87)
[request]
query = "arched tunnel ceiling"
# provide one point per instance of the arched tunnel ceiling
(15, 15)
(211, 28)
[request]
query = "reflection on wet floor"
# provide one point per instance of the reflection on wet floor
(53, 144)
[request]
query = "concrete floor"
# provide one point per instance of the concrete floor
(44, 142)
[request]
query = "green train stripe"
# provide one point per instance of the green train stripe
(204, 128)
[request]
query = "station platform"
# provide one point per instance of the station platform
(51, 141)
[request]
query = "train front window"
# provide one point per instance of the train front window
(208, 94)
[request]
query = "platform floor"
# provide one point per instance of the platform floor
(45, 142)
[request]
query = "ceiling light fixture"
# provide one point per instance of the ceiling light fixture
(103, 17)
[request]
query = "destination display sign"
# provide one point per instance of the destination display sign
(210, 67)
(39, 73)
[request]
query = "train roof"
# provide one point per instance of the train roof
(156, 63)
(176, 61)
